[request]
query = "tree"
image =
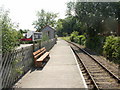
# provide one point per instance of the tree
(65, 26)
(70, 8)
(9, 34)
(59, 27)
(44, 18)
(94, 14)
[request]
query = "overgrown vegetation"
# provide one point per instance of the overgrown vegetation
(91, 24)
(92, 18)
(107, 46)
(10, 36)
(95, 43)
(75, 37)
(111, 48)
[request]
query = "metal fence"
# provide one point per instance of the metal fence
(16, 63)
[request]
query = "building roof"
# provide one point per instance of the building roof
(49, 27)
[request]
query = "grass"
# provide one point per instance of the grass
(66, 38)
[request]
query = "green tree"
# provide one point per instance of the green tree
(94, 14)
(70, 8)
(9, 34)
(44, 18)
(59, 27)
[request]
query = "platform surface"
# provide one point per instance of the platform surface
(61, 71)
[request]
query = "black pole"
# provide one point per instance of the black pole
(33, 46)
(39, 44)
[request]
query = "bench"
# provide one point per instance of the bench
(40, 56)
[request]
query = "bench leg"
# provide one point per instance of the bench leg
(39, 64)
(47, 58)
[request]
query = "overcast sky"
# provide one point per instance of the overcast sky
(24, 11)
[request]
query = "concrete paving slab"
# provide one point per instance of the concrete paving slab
(61, 71)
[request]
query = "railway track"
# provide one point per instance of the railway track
(96, 75)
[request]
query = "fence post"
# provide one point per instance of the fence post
(33, 46)
(39, 44)
(0, 71)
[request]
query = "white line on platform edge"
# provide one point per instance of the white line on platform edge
(86, 88)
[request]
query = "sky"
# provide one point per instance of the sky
(24, 11)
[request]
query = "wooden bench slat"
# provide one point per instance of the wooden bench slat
(35, 53)
(43, 57)
(40, 53)
(40, 56)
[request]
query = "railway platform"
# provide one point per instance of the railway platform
(61, 71)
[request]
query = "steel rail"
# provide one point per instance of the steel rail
(111, 74)
(87, 71)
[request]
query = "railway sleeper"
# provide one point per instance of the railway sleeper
(90, 86)
(100, 74)
(96, 71)
(104, 80)
(109, 86)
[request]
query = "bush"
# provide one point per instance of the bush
(9, 34)
(95, 43)
(111, 48)
(73, 36)
(82, 40)
(45, 37)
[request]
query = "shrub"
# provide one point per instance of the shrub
(111, 48)
(82, 40)
(95, 43)
(73, 36)
(9, 33)
(45, 37)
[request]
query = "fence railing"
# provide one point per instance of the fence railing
(16, 63)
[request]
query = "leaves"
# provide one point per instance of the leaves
(112, 47)
(92, 14)
(9, 34)
(43, 19)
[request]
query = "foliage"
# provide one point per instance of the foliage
(70, 8)
(9, 33)
(92, 18)
(82, 39)
(23, 31)
(94, 14)
(96, 19)
(95, 43)
(68, 25)
(44, 18)
(66, 38)
(19, 35)
(45, 37)
(73, 36)
(111, 48)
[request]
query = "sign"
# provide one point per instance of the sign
(36, 36)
